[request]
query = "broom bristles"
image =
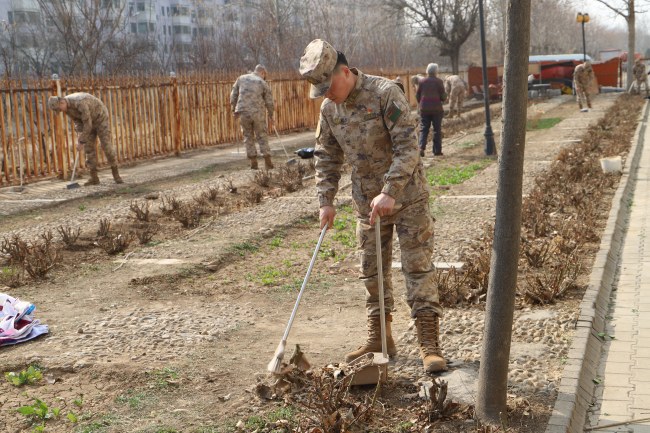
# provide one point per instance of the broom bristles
(276, 362)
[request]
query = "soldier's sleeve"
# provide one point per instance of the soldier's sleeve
(405, 151)
(268, 99)
(443, 93)
(86, 120)
(329, 159)
(234, 95)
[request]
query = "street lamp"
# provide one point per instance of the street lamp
(489, 135)
(583, 18)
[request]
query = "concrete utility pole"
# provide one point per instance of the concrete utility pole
(493, 372)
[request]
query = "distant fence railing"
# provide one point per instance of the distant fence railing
(149, 116)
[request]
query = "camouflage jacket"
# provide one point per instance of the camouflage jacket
(582, 77)
(639, 71)
(373, 130)
(251, 93)
(454, 83)
(87, 112)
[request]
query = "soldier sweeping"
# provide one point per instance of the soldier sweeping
(250, 100)
(583, 75)
(456, 88)
(90, 117)
(364, 119)
(640, 77)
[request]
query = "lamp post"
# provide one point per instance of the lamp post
(489, 135)
(583, 18)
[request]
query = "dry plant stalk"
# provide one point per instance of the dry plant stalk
(41, 256)
(145, 231)
(140, 211)
(263, 178)
(104, 228)
(15, 248)
(69, 236)
(189, 215)
(254, 195)
(117, 243)
(169, 204)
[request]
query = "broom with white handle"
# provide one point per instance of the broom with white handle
(276, 363)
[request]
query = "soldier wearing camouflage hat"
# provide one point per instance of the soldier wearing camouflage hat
(250, 100)
(365, 119)
(90, 117)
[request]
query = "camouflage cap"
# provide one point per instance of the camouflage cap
(53, 102)
(316, 66)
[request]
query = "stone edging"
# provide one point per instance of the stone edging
(576, 389)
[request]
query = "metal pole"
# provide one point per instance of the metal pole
(489, 135)
(584, 43)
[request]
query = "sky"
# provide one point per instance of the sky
(602, 14)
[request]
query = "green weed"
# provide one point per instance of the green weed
(268, 275)
(26, 377)
(99, 426)
(276, 242)
(164, 377)
(455, 175)
(537, 124)
(245, 248)
(133, 399)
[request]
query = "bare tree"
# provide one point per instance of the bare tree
(8, 48)
(493, 372)
(628, 10)
(451, 22)
(84, 30)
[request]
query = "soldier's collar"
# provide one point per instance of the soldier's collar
(357, 88)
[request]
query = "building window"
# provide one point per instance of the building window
(142, 28)
(134, 28)
(10, 15)
(140, 7)
(162, 10)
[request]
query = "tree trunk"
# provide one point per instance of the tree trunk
(493, 372)
(631, 37)
(454, 56)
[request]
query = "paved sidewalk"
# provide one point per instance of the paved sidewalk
(42, 193)
(623, 392)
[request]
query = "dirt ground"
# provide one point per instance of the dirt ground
(175, 338)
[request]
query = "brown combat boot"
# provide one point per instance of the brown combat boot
(373, 344)
(116, 174)
(428, 330)
(253, 163)
(94, 179)
(268, 164)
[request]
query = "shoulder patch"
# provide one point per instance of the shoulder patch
(394, 112)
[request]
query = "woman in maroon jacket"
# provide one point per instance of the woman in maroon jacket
(431, 95)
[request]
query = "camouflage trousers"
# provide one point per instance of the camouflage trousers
(414, 226)
(254, 126)
(103, 131)
(456, 98)
(583, 95)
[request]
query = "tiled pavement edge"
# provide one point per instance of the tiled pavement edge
(577, 387)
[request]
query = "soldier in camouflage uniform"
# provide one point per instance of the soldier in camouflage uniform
(365, 119)
(456, 88)
(250, 99)
(640, 77)
(90, 117)
(583, 75)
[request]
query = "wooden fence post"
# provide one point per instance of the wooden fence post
(58, 130)
(177, 114)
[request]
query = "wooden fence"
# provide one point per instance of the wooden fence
(150, 117)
